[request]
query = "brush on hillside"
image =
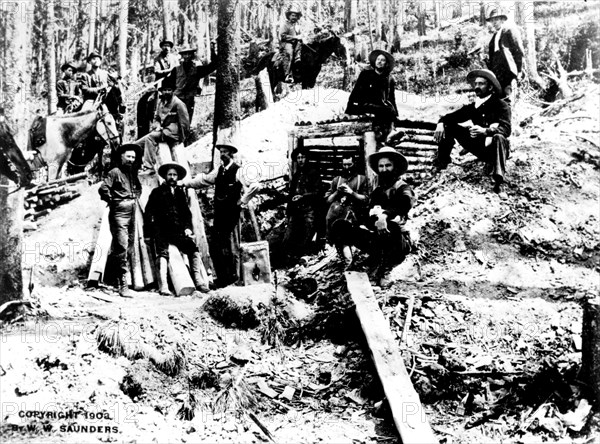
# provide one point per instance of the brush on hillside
(235, 397)
(121, 338)
(171, 361)
(274, 323)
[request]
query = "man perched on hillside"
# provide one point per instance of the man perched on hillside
(171, 125)
(389, 204)
(290, 41)
(481, 128)
(121, 190)
(167, 219)
(505, 53)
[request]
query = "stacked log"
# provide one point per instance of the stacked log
(414, 140)
(42, 199)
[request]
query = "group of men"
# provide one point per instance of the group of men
(168, 220)
(373, 221)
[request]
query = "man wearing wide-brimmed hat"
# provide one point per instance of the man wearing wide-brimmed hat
(166, 61)
(121, 190)
(68, 90)
(95, 81)
(389, 204)
(187, 76)
(481, 128)
(505, 52)
(171, 125)
(375, 93)
(232, 190)
(168, 220)
(303, 205)
(290, 41)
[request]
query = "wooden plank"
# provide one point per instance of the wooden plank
(370, 148)
(101, 249)
(178, 271)
(415, 131)
(418, 146)
(407, 411)
(148, 270)
(342, 141)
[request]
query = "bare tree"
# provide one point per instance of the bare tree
(16, 38)
(51, 48)
(92, 28)
(524, 15)
(166, 16)
(123, 14)
(350, 8)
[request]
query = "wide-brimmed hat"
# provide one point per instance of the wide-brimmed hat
(167, 83)
(68, 65)
(166, 43)
(299, 150)
(293, 9)
(376, 53)
(486, 74)
(165, 167)
(92, 55)
(187, 50)
(130, 147)
(497, 13)
(400, 162)
(229, 146)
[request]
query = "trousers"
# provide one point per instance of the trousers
(122, 227)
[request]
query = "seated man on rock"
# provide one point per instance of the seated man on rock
(388, 242)
(171, 125)
(168, 219)
(481, 128)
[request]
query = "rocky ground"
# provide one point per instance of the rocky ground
(492, 345)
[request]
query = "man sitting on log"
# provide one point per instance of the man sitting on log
(171, 125)
(303, 205)
(347, 197)
(168, 220)
(121, 190)
(481, 128)
(388, 242)
(232, 190)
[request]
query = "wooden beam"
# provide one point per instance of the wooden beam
(332, 129)
(407, 411)
(101, 249)
(370, 147)
(178, 271)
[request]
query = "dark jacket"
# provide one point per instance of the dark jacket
(167, 213)
(372, 89)
(507, 62)
(395, 201)
(66, 90)
(92, 82)
(493, 111)
(120, 184)
(174, 119)
(186, 78)
(306, 182)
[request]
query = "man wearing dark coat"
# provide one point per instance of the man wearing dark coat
(505, 53)
(171, 125)
(95, 81)
(187, 75)
(121, 190)
(232, 190)
(68, 90)
(389, 203)
(168, 220)
(374, 93)
(303, 203)
(481, 128)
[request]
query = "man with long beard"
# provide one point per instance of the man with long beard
(389, 204)
(121, 190)
(347, 198)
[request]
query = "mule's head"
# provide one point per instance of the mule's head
(12, 161)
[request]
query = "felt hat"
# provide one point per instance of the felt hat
(497, 13)
(167, 83)
(486, 74)
(400, 162)
(376, 53)
(68, 65)
(187, 50)
(130, 147)
(165, 167)
(299, 150)
(229, 146)
(293, 9)
(92, 55)
(166, 43)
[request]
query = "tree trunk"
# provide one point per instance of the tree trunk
(350, 7)
(51, 48)
(378, 22)
(92, 30)
(227, 97)
(398, 14)
(482, 21)
(421, 25)
(166, 16)
(457, 10)
(590, 346)
(123, 14)
(528, 26)
(14, 106)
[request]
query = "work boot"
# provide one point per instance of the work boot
(124, 290)
(200, 278)
(163, 267)
(346, 254)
